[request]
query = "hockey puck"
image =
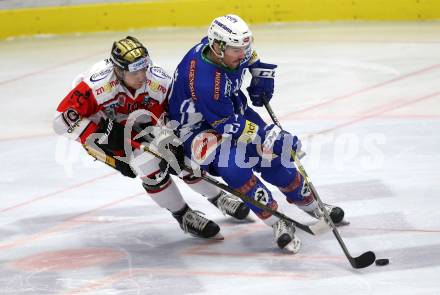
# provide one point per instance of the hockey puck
(382, 262)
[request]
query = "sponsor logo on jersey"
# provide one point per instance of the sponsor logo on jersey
(204, 145)
(159, 73)
(118, 101)
(249, 132)
(217, 83)
(75, 125)
(254, 57)
(228, 88)
(111, 105)
(191, 78)
(155, 86)
(72, 115)
(72, 119)
(107, 87)
(218, 122)
(100, 75)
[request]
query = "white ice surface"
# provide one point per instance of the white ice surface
(365, 99)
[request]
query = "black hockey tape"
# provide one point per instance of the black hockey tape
(382, 262)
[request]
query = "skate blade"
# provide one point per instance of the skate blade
(248, 219)
(342, 223)
(217, 237)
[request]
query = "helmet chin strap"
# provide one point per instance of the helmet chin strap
(221, 56)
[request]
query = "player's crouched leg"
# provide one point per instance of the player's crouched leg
(283, 231)
(166, 194)
(244, 181)
(228, 204)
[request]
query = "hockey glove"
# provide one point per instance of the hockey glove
(112, 135)
(177, 159)
(262, 83)
(277, 141)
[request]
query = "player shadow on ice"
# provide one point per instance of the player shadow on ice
(408, 258)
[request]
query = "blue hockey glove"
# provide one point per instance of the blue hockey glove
(262, 83)
(276, 139)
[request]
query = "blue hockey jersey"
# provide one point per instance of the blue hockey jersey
(205, 95)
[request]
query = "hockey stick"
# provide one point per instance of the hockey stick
(364, 260)
(314, 229)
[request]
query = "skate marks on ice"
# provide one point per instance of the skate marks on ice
(146, 257)
(104, 248)
(83, 224)
(158, 270)
(152, 256)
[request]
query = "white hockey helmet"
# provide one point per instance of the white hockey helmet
(229, 30)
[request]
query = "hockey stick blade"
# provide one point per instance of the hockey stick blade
(363, 260)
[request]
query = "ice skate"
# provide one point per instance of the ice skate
(336, 214)
(194, 223)
(284, 236)
(231, 205)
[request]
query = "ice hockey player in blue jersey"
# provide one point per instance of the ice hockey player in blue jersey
(226, 137)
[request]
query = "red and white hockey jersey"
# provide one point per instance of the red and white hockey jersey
(98, 93)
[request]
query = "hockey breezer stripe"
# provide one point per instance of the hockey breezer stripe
(362, 261)
(314, 229)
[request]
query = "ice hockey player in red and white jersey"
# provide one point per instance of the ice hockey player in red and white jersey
(100, 108)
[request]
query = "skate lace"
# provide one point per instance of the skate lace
(282, 227)
(194, 219)
(328, 207)
(227, 204)
(318, 213)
